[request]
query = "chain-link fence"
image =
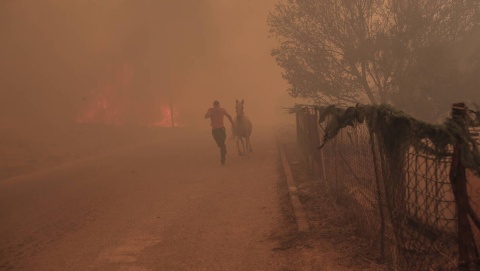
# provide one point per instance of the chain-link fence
(413, 186)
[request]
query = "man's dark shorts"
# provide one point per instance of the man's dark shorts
(219, 135)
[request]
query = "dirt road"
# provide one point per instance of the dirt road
(167, 205)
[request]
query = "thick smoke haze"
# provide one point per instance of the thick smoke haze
(122, 62)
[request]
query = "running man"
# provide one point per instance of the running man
(218, 129)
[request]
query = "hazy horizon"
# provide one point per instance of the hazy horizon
(120, 62)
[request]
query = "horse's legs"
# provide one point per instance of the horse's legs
(243, 147)
(237, 139)
(249, 146)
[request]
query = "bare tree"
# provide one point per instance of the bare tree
(371, 51)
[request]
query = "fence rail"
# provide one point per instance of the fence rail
(414, 185)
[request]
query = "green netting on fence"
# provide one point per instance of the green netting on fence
(398, 129)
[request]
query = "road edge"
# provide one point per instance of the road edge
(298, 210)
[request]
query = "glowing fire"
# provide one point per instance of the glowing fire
(109, 103)
(166, 117)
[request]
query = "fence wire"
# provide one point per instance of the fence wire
(399, 175)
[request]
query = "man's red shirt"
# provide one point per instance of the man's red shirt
(216, 116)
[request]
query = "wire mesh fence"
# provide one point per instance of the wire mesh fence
(403, 178)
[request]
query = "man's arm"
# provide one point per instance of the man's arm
(209, 112)
(229, 117)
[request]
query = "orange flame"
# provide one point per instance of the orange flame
(166, 117)
(109, 104)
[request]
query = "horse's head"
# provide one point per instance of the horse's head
(239, 108)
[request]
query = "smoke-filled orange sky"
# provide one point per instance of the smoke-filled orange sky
(119, 61)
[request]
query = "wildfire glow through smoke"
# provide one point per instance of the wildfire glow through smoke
(110, 104)
(166, 117)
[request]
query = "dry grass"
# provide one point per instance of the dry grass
(332, 220)
(340, 221)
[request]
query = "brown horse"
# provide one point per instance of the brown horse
(242, 129)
